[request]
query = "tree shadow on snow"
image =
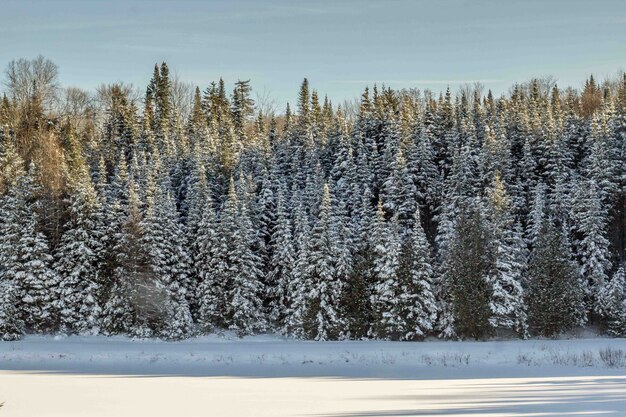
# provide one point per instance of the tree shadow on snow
(575, 397)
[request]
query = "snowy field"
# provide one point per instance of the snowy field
(270, 376)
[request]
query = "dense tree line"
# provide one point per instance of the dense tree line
(413, 215)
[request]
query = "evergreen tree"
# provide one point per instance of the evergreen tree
(356, 303)
(11, 325)
(246, 297)
(164, 243)
(205, 248)
(26, 259)
(78, 259)
(297, 290)
(612, 304)
(468, 269)
(416, 303)
(323, 320)
(507, 302)
(282, 265)
(124, 309)
(592, 246)
(554, 294)
(387, 323)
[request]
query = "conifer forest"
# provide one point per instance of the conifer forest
(171, 212)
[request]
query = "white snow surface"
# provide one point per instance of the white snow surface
(274, 356)
(273, 376)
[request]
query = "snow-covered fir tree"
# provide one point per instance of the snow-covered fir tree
(507, 298)
(416, 303)
(467, 270)
(323, 319)
(499, 214)
(611, 304)
(78, 259)
(554, 293)
(25, 257)
(385, 294)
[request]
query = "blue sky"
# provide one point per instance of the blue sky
(340, 45)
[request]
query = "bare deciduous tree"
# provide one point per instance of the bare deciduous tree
(26, 78)
(182, 96)
(265, 104)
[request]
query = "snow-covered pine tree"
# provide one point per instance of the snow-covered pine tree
(298, 286)
(356, 304)
(25, 256)
(215, 266)
(123, 311)
(386, 239)
(206, 260)
(245, 298)
(198, 202)
(416, 303)
(467, 270)
(611, 304)
(507, 300)
(592, 246)
(164, 243)
(537, 215)
(554, 294)
(79, 256)
(11, 324)
(11, 170)
(323, 320)
(282, 264)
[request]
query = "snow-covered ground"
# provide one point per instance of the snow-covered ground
(270, 376)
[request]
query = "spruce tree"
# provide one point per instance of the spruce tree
(323, 320)
(26, 258)
(554, 295)
(123, 310)
(11, 324)
(164, 243)
(416, 303)
(468, 268)
(78, 259)
(507, 302)
(611, 304)
(387, 322)
(282, 266)
(592, 247)
(205, 249)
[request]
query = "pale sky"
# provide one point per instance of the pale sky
(340, 45)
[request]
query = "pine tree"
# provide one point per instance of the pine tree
(356, 303)
(612, 304)
(78, 259)
(11, 325)
(507, 303)
(162, 98)
(387, 323)
(282, 265)
(211, 293)
(245, 300)
(589, 220)
(416, 303)
(164, 243)
(554, 293)
(123, 310)
(323, 319)
(26, 259)
(467, 269)
(297, 290)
